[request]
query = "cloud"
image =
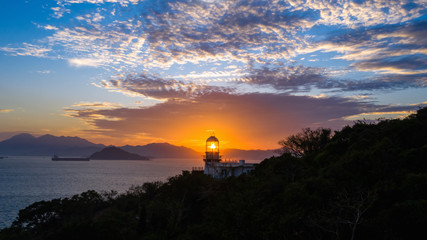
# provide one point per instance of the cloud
(153, 34)
(391, 49)
(96, 105)
(293, 78)
(27, 49)
(379, 115)
(100, 44)
(297, 79)
(387, 112)
(395, 65)
(44, 71)
(6, 110)
(357, 13)
(199, 31)
(62, 5)
(264, 117)
(164, 33)
(270, 79)
(84, 62)
(160, 88)
(387, 82)
(124, 2)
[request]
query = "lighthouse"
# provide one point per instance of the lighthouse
(217, 168)
(212, 150)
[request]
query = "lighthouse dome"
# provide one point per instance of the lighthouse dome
(212, 139)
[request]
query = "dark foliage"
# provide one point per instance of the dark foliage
(367, 181)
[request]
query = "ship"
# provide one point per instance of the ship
(56, 158)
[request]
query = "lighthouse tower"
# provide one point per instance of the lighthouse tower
(212, 157)
(217, 168)
(212, 150)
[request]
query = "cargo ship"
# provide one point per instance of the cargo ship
(56, 158)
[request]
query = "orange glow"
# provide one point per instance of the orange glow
(236, 125)
(212, 146)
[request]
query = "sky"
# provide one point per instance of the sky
(251, 72)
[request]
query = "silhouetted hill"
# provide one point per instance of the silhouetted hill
(27, 145)
(163, 150)
(114, 153)
(367, 181)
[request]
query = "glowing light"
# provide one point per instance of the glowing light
(213, 146)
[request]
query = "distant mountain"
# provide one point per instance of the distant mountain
(27, 145)
(238, 154)
(115, 153)
(163, 150)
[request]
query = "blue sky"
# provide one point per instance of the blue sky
(141, 71)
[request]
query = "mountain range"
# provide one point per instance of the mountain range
(28, 145)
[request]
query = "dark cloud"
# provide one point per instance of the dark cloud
(402, 108)
(398, 49)
(160, 88)
(281, 78)
(405, 63)
(288, 77)
(264, 117)
(300, 78)
(383, 82)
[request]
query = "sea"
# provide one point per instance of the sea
(25, 180)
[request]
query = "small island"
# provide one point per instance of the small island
(115, 153)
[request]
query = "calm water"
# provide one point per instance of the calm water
(24, 180)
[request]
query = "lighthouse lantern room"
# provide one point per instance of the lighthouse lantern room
(217, 168)
(212, 150)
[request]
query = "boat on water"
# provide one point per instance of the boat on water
(57, 158)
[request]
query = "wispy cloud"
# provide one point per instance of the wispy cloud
(160, 88)
(288, 77)
(164, 33)
(96, 105)
(6, 110)
(44, 71)
(389, 49)
(27, 49)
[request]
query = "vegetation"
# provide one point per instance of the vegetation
(367, 181)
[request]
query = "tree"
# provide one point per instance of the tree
(306, 142)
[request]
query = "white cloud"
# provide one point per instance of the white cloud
(84, 62)
(363, 13)
(27, 49)
(44, 71)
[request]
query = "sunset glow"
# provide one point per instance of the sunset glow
(254, 71)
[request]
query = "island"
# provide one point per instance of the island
(115, 153)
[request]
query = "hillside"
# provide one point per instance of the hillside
(162, 150)
(367, 181)
(114, 153)
(27, 145)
